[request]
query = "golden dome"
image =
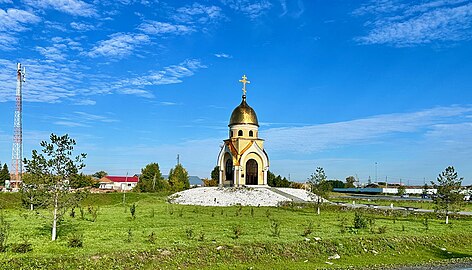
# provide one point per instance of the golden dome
(243, 114)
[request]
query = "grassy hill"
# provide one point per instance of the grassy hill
(165, 236)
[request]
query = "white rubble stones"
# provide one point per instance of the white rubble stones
(300, 193)
(214, 196)
(334, 257)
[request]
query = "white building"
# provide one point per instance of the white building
(124, 183)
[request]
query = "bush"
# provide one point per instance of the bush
(382, 229)
(75, 240)
(22, 247)
(152, 238)
(275, 228)
(189, 233)
(237, 231)
(360, 222)
(132, 210)
(4, 228)
(308, 229)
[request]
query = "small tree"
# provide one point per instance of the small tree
(52, 173)
(350, 180)
(319, 186)
(215, 173)
(401, 190)
(100, 174)
(151, 179)
(178, 178)
(4, 174)
(448, 198)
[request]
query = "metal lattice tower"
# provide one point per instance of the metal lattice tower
(17, 151)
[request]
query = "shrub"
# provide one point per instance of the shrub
(237, 231)
(252, 212)
(201, 237)
(308, 229)
(152, 238)
(75, 240)
(382, 229)
(360, 222)
(275, 228)
(189, 233)
(22, 247)
(343, 224)
(426, 223)
(4, 228)
(130, 235)
(132, 210)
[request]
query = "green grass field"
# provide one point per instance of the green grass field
(165, 236)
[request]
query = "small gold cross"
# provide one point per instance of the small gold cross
(244, 81)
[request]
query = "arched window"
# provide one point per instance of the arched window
(240, 133)
(251, 172)
(251, 134)
(231, 134)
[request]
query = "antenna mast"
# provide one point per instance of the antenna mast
(17, 151)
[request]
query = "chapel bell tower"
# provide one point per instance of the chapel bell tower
(242, 159)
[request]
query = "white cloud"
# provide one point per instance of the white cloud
(14, 20)
(401, 23)
(119, 45)
(167, 103)
(136, 92)
(88, 117)
(309, 139)
(73, 7)
(251, 8)
(168, 75)
(52, 53)
(85, 102)
(198, 13)
(82, 26)
(6, 1)
(70, 124)
(160, 28)
(7, 41)
(223, 55)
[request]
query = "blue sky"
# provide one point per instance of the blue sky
(336, 84)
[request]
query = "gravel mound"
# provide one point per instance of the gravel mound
(215, 196)
(300, 193)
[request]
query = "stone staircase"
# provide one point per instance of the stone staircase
(286, 195)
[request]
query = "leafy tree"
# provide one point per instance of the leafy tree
(178, 178)
(448, 198)
(319, 186)
(51, 173)
(210, 182)
(4, 174)
(100, 174)
(335, 184)
(401, 190)
(277, 181)
(350, 180)
(81, 180)
(215, 174)
(151, 179)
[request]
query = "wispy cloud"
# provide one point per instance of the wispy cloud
(85, 102)
(198, 13)
(15, 20)
(7, 41)
(309, 139)
(403, 23)
(168, 75)
(251, 8)
(94, 117)
(119, 45)
(73, 7)
(136, 92)
(160, 28)
(53, 53)
(292, 8)
(82, 26)
(223, 55)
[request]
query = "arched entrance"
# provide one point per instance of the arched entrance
(251, 172)
(229, 171)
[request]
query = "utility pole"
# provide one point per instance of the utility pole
(124, 192)
(376, 180)
(17, 150)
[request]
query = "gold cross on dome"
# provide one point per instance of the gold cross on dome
(244, 81)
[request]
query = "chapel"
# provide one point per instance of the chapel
(242, 159)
